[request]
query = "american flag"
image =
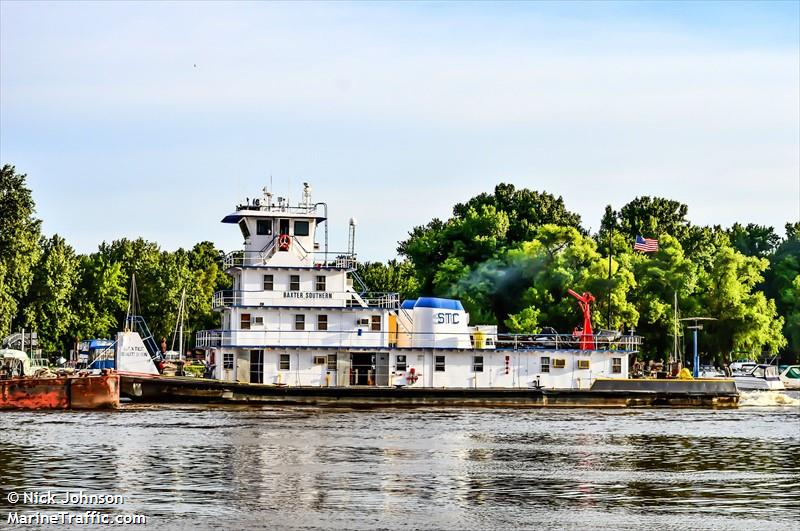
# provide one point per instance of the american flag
(646, 245)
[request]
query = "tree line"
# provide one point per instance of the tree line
(510, 256)
(65, 296)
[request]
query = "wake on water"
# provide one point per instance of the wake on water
(767, 398)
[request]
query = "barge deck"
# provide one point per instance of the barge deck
(604, 393)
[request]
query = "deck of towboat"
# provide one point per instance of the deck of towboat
(604, 393)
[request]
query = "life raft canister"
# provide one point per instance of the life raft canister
(284, 241)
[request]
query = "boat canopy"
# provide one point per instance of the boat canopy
(17, 357)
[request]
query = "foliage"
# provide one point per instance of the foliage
(783, 284)
(48, 307)
(481, 228)
(652, 216)
(391, 277)
(753, 240)
(746, 320)
(19, 245)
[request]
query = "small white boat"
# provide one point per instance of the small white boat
(760, 378)
(790, 376)
(709, 371)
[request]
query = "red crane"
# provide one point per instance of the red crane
(587, 338)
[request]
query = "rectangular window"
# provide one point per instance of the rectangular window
(264, 227)
(227, 360)
(322, 322)
(376, 323)
(439, 364)
(559, 363)
(244, 229)
(294, 282)
(545, 364)
(285, 363)
(331, 362)
(268, 283)
(477, 363)
(245, 321)
(401, 362)
(616, 365)
(301, 228)
(299, 322)
(583, 364)
(320, 284)
(320, 360)
(258, 321)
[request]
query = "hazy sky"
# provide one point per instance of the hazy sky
(395, 112)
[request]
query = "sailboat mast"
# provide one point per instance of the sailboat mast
(675, 327)
(181, 311)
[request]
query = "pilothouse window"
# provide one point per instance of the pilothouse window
(301, 228)
(264, 227)
(244, 229)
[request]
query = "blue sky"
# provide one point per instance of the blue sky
(395, 111)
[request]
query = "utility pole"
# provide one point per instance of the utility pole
(694, 328)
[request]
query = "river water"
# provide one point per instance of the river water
(201, 467)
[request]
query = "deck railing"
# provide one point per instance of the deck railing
(339, 260)
(364, 337)
(602, 341)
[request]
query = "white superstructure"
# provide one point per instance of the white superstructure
(299, 315)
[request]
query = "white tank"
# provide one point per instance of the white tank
(440, 323)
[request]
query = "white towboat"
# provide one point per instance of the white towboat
(299, 315)
(760, 378)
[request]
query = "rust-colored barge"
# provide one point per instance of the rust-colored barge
(61, 392)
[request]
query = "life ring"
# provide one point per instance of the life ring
(284, 241)
(412, 376)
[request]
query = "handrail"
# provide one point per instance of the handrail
(367, 337)
(339, 260)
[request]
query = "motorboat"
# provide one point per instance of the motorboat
(761, 378)
(790, 376)
(709, 371)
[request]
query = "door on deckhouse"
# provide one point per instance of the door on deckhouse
(362, 368)
(283, 225)
(382, 369)
(257, 366)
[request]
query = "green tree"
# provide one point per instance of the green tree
(474, 237)
(481, 229)
(49, 309)
(652, 216)
(525, 287)
(392, 277)
(782, 283)
(746, 319)
(754, 240)
(101, 297)
(19, 244)
(661, 276)
(527, 210)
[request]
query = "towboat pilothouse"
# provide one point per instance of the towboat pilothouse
(299, 315)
